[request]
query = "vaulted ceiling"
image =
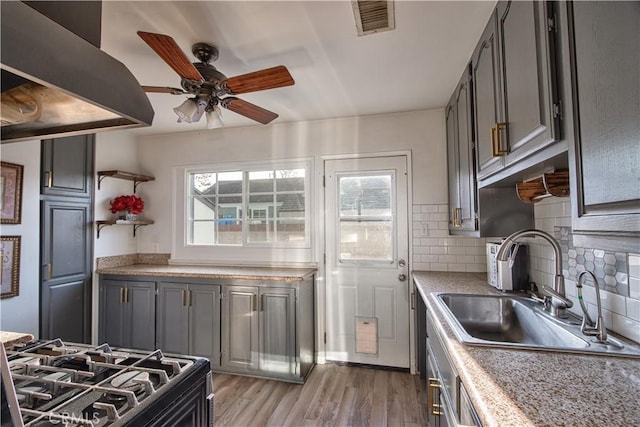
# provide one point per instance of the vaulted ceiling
(337, 73)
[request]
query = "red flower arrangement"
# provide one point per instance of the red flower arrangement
(132, 204)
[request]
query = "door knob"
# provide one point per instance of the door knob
(402, 263)
(402, 277)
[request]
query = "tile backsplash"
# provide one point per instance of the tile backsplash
(435, 250)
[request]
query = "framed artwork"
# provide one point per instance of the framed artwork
(10, 193)
(10, 272)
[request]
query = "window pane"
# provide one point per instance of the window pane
(203, 182)
(261, 231)
(229, 232)
(365, 195)
(261, 182)
(290, 231)
(289, 180)
(230, 183)
(290, 205)
(203, 208)
(203, 233)
(366, 240)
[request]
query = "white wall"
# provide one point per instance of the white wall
(20, 313)
(113, 151)
(422, 132)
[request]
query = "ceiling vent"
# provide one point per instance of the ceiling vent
(373, 16)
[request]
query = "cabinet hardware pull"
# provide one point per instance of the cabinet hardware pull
(459, 211)
(49, 179)
(413, 300)
(182, 298)
(498, 150)
(189, 294)
(126, 295)
(121, 295)
(493, 142)
(49, 271)
(456, 217)
(262, 302)
(254, 302)
(434, 408)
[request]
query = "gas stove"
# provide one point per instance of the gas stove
(69, 384)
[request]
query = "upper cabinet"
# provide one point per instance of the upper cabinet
(462, 185)
(67, 166)
(601, 72)
(516, 107)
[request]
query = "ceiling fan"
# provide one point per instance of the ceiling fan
(209, 87)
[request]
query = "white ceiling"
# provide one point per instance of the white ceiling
(337, 73)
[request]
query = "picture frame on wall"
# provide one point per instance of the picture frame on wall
(10, 271)
(11, 193)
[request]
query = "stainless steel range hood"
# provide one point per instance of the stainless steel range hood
(56, 83)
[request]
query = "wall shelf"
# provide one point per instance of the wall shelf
(135, 224)
(129, 176)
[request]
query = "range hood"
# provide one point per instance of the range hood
(56, 83)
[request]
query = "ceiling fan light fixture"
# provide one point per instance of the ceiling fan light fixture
(214, 118)
(186, 110)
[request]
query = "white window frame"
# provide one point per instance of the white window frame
(276, 253)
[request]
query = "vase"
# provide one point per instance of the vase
(131, 217)
(121, 215)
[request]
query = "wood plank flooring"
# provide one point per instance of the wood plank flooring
(333, 395)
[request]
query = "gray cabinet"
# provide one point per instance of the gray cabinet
(188, 319)
(462, 183)
(268, 329)
(66, 243)
(127, 313)
(601, 67)
(67, 166)
(240, 328)
(516, 104)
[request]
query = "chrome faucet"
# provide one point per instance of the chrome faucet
(558, 300)
(596, 329)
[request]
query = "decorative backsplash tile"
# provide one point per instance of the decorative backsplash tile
(610, 268)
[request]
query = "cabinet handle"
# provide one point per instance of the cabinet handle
(189, 296)
(433, 407)
(496, 144)
(254, 302)
(456, 217)
(262, 302)
(413, 300)
(121, 295)
(49, 179)
(49, 270)
(182, 298)
(126, 295)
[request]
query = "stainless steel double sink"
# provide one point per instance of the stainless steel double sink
(518, 322)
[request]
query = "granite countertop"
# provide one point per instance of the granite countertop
(212, 272)
(526, 387)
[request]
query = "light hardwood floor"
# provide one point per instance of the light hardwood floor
(333, 395)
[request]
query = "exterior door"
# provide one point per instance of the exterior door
(366, 261)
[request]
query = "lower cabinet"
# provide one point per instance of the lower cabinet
(250, 327)
(259, 330)
(188, 319)
(267, 330)
(127, 313)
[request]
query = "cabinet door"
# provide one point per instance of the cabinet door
(277, 330)
(527, 77)
(112, 317)
(140, 315)
(452, 162)
(466, 215)
(605, 70)
(240, 328)
(484, 68)
(204, 322)
(66, 255)
(173, 318)
(67, 166)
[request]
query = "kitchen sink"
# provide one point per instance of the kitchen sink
(518, 322)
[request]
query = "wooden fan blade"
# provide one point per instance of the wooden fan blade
(249, 110)
(169, 51)
(163, 89)
(269, 78)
